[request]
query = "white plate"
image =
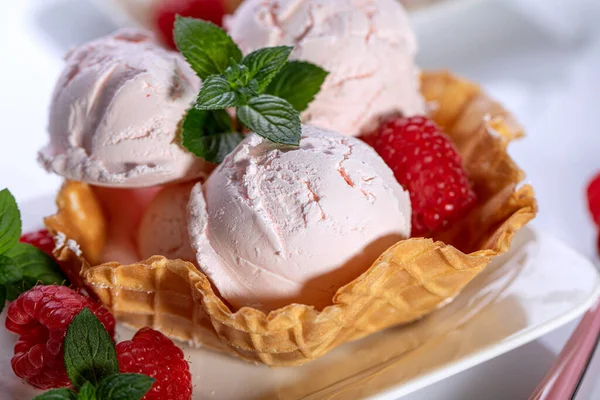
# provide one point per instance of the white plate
(538, 286)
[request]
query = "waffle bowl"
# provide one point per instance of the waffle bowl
(411, 279)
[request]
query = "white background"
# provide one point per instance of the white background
(541, 58)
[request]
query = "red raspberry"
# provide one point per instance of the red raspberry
(153, 354)
(41, 317)
(593, 195)
(41, 239)
(426, 163)
(164, 15)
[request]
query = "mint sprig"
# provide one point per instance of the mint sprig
(217, 93)
(205, 46)
(58, 394)
(268, 91)
(35, 266)
(89, 351)
(22, 266)
(87, 392)
(210, 134)
(92, 365)
(273, 116)
(10, 221)
(297, 82)
(124, 387)
(264, 64)
(9, 272)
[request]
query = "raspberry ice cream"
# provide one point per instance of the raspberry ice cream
(163, 229)
(367, 46)
(115, 114)
(275, 225)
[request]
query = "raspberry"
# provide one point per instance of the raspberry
(41, 317)
(41, 239)
(593, 195)
(426, 163)
(153, 354)
(164, 15)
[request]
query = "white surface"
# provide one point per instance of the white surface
(548, 78)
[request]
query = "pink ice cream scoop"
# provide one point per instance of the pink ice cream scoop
(163, 227)
(275, 225)
(367, 46)
(115, 114)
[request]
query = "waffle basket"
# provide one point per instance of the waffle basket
(411, 279)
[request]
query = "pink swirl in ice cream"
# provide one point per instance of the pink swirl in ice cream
(115, 114)
(367, 46)
(274, 225)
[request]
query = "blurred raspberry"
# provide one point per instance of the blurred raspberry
(593, 196)
(167, 10)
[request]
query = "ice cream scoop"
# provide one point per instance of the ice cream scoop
(275, 225)
(115, 114)
(163, 228)
(367, 46)
(123, 209)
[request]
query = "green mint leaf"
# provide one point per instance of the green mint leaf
(10, 221)
(209, 134)
(89, 351)
(87, 392)
(9, 272)
(240, 80)
(298, 82)
(272, 118)
(12, 292)
(35, 266)
(264, 64)
(217, 94)
(2, 298)
(57, 394)
(237, 74)
(124, 387)
(205, 46)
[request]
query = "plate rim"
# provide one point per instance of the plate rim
(501, 347)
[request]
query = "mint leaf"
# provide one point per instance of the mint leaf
(36, 267)
(217, 94)
(2, 298)
(205, 46)
(57, 394)
(9, 272)
(298, 82)
(264, 64)
(87, 392)
(209, 134)
(12, 292)
(10, 221)
(237, 74)
(124, 387)
(89, 351)
(272, 118)
(239, 78)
